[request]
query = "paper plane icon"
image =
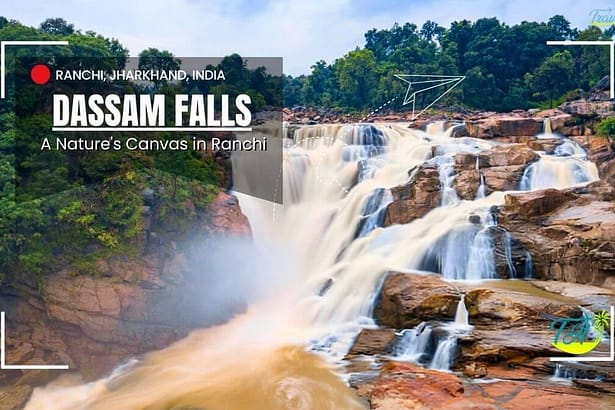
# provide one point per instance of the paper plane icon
(419, 83)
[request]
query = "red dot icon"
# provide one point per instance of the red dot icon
(40, 74)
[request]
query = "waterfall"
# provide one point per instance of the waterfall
(374, 211)
(462, 315)
(481, 192)
(512, 272)
(546, 126)
(435, 128)
(331, 254)
(567, 166)
(563, 373)
(446, 169)
(415, 344)
(445, 354)
(432, 345)
(467, 251)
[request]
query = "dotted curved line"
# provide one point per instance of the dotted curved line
(378, 109)
(317, 164)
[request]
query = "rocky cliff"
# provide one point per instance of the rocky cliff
(136, 302)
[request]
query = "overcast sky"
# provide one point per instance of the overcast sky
(301, 31)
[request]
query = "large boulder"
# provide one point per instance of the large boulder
(503, 126)
(373, 342)
(407, 299)
(407, 386)
(501, 169)
(587, 109)
(416, 198)
(570, 234)
(526, 205)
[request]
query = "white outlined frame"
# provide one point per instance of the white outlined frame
(609, 358)
(3, 45)
(440, 81)
(5, 366)
(611, 45)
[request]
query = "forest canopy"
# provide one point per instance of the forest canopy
(64, 209)
(506, 67)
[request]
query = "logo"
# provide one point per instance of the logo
(602, 17)
(579, 336)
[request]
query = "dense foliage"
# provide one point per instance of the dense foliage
(66, 209)
(606, 128)
(506, 67)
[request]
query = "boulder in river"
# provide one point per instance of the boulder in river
(407, 299)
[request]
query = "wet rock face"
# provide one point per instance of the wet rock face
(373, 342)
(501, 169)
(409, 299)
(510, 340)
(405, 386)
(138, 303)
(587, 108)
(569, 233)
(416, 198)
(503, 126)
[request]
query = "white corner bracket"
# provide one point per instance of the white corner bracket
(3, 45)
(5, 366)
(611, 45)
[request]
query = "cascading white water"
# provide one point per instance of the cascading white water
(567, 166)
(512, 271)
(435, 128)
(462, 315)
(445, 354)
(446, 169)
(546, 126)
(563, 373)
(374, 211)
(414, 343)
(337, 181)
(481, 192)
(417, 345)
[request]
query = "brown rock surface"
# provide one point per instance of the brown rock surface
(137, 304)
(526, 205)
(585, 108)
(504, 126)
(14, 397)
(401, 386)
(408, 299)
(373, 342)
(416, 198)
(501, 167)
(571, 236)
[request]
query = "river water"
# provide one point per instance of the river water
(286, 351)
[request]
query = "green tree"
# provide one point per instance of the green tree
(552, 78)
(319, 88)
(560, 28)
(431, 31)
(162, 60)
(357, 74)
(57, 26)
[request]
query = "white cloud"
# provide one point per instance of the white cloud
(300, 31)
